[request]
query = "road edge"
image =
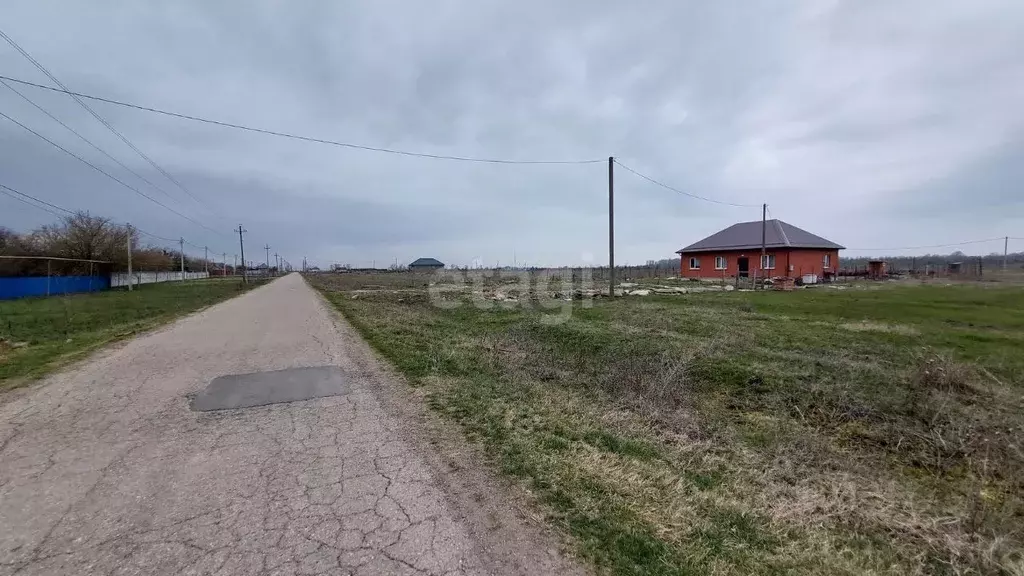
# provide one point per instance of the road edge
(502, 517)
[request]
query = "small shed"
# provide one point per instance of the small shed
(876, 269)
(426, 264)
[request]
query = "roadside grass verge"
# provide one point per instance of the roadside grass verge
(815, 432)
(40, 335)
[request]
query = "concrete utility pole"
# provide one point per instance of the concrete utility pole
(241, 247)
(764, 230)
(224, 264)
(611, 227)
(267, 248)
(181, 242)
(1006, 249)
(129, 228)
(206, 260)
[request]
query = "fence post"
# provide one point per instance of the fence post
(129, 227)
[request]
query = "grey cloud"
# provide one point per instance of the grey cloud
(821, 109)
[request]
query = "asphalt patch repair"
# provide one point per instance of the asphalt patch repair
(261, 388)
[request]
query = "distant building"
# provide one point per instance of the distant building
(426, 264)
(736, 251)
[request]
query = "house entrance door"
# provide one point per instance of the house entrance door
(743, 264)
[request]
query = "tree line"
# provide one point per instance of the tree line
(1014, 260)
(82, 236)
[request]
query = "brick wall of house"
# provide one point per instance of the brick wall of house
(810, 262)
(802, 262)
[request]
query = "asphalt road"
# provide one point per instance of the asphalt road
(104, 469)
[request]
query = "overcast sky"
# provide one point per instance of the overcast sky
(871, 123)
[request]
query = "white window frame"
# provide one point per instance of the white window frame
(694, 260)
(723, 260)
(768, 262)
(826, 261)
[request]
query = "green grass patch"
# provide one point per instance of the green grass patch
(819, 431)
(39, 335)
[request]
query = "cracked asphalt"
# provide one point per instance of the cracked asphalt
(105, 470)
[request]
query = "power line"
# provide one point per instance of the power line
(667, 187)
(298, 136)
(7, 190)
(84, 139)
(108, 175)
(97, 116)
(931, 246)
(164, 238)
(41, 201)
(4, 191)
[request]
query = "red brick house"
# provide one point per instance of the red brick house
(789, 251)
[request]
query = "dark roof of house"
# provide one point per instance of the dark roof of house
(427, 262)
(747, 236)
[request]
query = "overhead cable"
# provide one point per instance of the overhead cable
(297, 136)
(691, 195)
(95, 115)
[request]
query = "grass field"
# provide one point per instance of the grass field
(859, 431)
(39, 335)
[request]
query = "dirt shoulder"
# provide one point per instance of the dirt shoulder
(500, 515)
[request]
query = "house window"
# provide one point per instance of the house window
(720, 263)
(694, 263)
(827, 261)
(768, 262)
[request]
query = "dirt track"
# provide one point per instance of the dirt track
(105, 470)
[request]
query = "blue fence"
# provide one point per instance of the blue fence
(21, 287)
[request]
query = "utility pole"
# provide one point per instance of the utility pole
(181, 242)
(224, 260)
(241, 247)
(267, 248)
(206, 260)
(764, 230)
(277, 262)
(611, 227)
(129, 227)
(1006, 249)
(234, 266)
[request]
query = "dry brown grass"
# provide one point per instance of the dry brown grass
(868, 326)
(680, 437)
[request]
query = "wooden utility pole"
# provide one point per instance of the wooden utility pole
(181, 242)
(611, 227)
(129, 228)
(764, 234)
(241, 247)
